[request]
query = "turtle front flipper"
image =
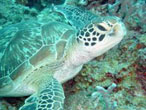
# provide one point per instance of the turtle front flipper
(49, 97)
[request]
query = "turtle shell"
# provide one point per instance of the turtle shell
(26, 45)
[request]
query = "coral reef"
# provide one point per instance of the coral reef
(43, 2)
(10, 13)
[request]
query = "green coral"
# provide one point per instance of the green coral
(142, 38)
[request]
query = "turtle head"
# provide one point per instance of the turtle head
(101, 35)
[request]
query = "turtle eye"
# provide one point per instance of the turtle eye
(100, 27)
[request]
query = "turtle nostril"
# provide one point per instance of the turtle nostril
(111, 34)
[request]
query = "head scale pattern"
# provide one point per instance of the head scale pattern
(92, 34)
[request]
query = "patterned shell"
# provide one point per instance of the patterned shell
(28, 44)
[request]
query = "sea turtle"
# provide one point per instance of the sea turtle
(36, 58)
